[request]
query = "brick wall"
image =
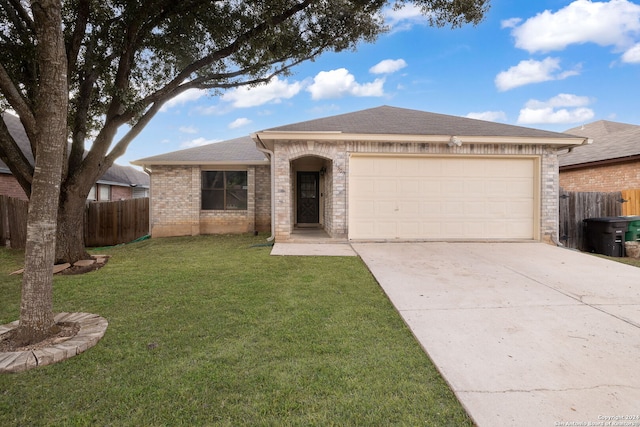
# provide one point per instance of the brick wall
(263, 198)
(336, 209)
(10, 187)
(605, 178)
(176, 201)
(175, 190)
(120, 193)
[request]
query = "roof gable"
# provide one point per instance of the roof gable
(600, 129)
(401, 121)
(239, 151)
(611, 140)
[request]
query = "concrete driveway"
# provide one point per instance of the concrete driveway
(526, 334)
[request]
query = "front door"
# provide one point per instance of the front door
(308, 198)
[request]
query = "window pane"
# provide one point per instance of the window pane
(212, 199)
(236, 200)
(236, 190)
(104, 192)
(236, 180)
(212, 179)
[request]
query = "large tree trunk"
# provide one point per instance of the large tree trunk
(36, 308)
(70, 238)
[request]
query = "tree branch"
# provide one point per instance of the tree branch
(74, 44)
(14, 158)
(21, 17)
(21, 105)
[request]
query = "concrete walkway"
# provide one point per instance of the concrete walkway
(313, 249)
(526, 334)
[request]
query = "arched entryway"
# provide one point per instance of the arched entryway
(310, 192)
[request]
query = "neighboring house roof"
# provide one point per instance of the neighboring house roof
(611, 141)
(388, 120)
(116, 175)
(234, 151)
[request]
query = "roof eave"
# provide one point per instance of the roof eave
(558, 142)
(601, 162)
(145, 163)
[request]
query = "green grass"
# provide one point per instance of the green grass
(624, 260)
(212, 331)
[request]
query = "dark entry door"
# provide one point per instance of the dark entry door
(308, 198)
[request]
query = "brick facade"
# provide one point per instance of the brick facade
(9, 187)
(176, 203)
(335, 185)
(121, 193)
(605, 178)
(175, 190)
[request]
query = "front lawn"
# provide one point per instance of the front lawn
(212, 330)
(624, 260)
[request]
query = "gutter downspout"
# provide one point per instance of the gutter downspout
(260, 146)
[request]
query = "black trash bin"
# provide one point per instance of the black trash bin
(606, 235)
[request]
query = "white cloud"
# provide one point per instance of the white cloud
(491, 116)
(198, 142)
(561, 100)
(561, 109)
(510, 23)
(388, 66)
(632, 56)
(613, 23)
(237, 123)
(532, 71)
(404, 18)
(551, 116)
(188, 129)
(340, 82)
(274, 91)
(188, 95)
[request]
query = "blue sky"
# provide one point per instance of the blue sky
(546, 64)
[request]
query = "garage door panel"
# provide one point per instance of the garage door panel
(409, 208)
(520, 209)
(453, 186)
(475, 209)
(430, 188)
(401, 197)
(519, 187)
(386, 186)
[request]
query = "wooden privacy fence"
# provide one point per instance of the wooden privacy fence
(13, 221)
(106, 223)
(576, 207)
(631, 204)
(112, 223)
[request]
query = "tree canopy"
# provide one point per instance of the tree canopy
(126, 58)
(76, 71)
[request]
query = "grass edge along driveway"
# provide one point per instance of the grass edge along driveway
(211, 330)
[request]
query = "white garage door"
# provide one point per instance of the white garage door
(404, 197)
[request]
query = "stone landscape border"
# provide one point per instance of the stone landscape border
(92, 329)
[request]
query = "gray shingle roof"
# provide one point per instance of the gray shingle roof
(401, 121)
(383, 120)
(611, 140)
(116, 175)
(238, 150)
